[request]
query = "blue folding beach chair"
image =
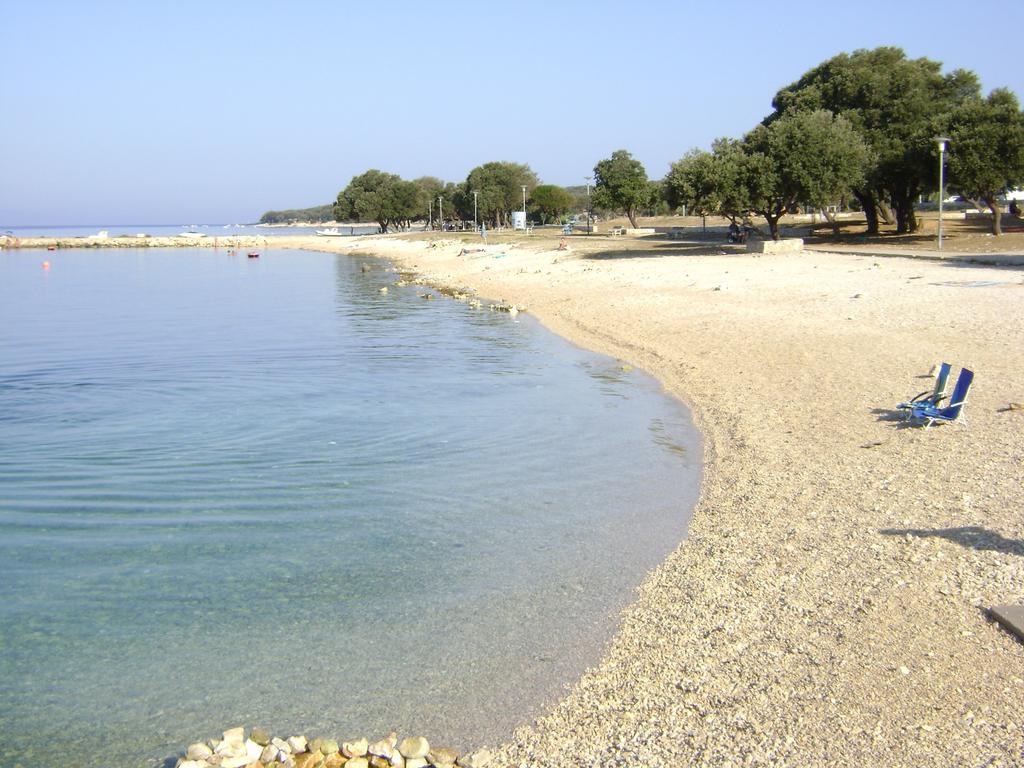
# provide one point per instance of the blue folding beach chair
(937, 393)
(930, 414)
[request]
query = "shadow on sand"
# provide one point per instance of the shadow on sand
(972, 536)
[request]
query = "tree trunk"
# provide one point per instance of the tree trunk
(885, 212)
(773, 222)
(870, 205)
(997, 216)
(906, 218)
(631, 215)
(833, 220)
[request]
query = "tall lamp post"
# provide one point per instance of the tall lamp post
(524, 209)
(430, 213)
(942, 141)
(590, 208)
(440, 212)
(474, 212)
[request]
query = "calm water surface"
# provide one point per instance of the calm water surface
(239, 491)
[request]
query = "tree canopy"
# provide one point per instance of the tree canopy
(803, 157)
(896, 105)
(986, 154)
(381, 197)
(621, 183)
(549, 201)
(499, 188)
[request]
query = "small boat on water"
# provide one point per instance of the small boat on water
(192, 234)
(331, 232)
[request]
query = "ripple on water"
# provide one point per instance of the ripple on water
(269, 494)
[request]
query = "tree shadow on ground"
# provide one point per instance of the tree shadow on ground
(971, 536)
(671, 248)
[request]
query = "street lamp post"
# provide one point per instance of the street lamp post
(474, 212)
(524, 209)
(590, 207)
(942, 141)
(430, 213)
(440, 212)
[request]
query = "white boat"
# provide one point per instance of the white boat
(192, 234)
(330, 232)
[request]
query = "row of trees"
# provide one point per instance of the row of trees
(860, 126)
(489, 194)
(863, 125)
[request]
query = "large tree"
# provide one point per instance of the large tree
(711, 183)
(621, 184)
(499, 188)
(550, 201)
(986, 154)
(809, 158)
(897, 105)
(377, 196)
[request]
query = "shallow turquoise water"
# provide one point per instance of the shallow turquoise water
(260, 492)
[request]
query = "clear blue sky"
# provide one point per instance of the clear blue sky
(213, 112)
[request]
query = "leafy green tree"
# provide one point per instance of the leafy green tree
(550, 201)
(811, 158)
(377, 196)
(804, 157)
(896, 105)
(621, 183)
(429, 188)
(499, 188)
(986, 154)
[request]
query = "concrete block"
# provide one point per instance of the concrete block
(790, 245)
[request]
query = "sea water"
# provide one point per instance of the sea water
(263, 492)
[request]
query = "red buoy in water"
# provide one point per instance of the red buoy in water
(253, 255)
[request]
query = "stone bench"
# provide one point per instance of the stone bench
(790, 245)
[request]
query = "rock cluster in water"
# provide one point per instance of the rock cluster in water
(260, 750)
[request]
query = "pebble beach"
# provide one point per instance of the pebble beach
(830, 604)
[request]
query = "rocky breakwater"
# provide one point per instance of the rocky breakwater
(177, 241)
(260, 750)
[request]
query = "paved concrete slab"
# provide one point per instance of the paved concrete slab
(1011, 617)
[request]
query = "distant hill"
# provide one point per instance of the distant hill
(316, 214)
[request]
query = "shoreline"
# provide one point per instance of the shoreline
(829, 605)
(833, 586)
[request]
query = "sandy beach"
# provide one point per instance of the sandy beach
(829, 606)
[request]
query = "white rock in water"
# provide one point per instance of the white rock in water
(513, 310)
(414, 746)
(269, 754)
(235, 736)
(281, 744)
(198, 751)
(253, 750)
(382, 748)
(355, 748)
(298, 744)
(383, 289)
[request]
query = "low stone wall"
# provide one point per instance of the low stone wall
(260, 750)
(790, 245)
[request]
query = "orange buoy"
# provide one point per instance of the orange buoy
(46, 265)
